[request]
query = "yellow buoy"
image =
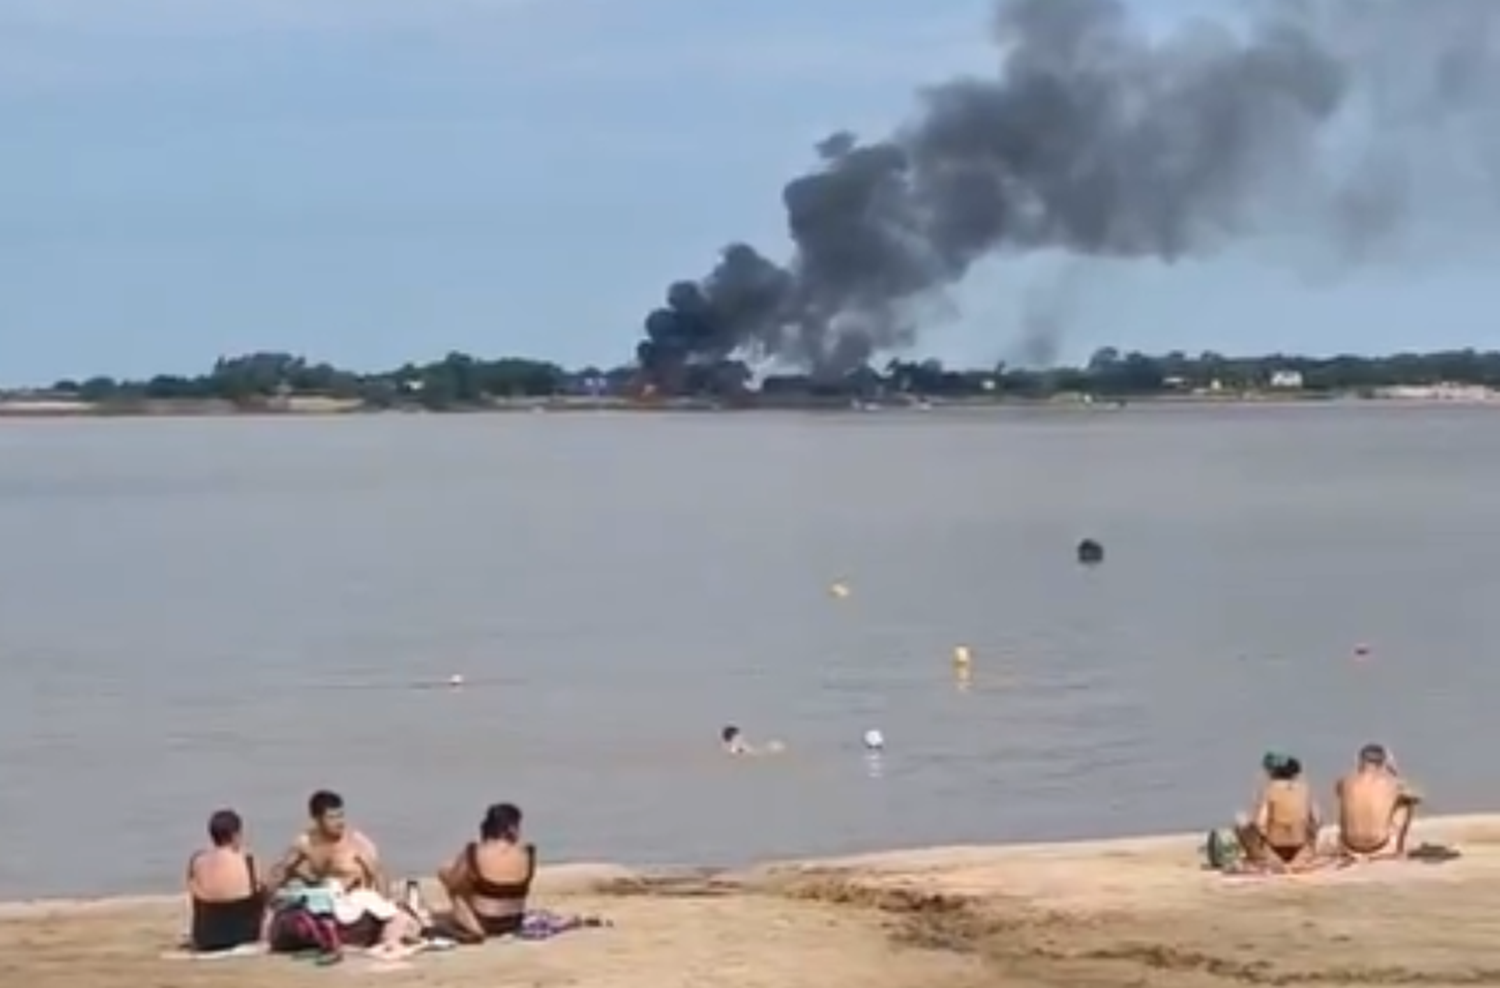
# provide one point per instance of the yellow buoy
(839, 590)
(961, 656)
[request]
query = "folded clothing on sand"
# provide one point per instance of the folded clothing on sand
(331, 899)
(539, 924)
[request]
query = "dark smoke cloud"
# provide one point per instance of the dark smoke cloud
(1098, 140)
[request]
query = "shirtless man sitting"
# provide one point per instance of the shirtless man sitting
(1376, 808)
(1283, 833)
(329, 850)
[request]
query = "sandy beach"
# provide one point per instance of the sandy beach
(1121, 912)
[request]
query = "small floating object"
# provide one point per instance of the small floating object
(1361, 652)
(874, 740)
(961, 656)
(1090, 553)
(839, 589)
(455, 680)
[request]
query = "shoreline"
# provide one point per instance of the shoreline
(18, 410)
(1102, 913)
(580, 877)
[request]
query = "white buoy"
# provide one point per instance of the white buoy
(874, 740)
(455, 680)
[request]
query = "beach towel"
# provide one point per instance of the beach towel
(185, 952)
(540, 924)
(332, 900)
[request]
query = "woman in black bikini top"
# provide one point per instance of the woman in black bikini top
(500, 907)
(485, 905)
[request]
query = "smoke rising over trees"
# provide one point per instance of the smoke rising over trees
(1100, 140)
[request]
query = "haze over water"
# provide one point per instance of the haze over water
(238, 611)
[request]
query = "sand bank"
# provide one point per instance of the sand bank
(1125, 912)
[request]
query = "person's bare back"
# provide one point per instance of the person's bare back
(1287, 819)
(1375, 807)
(221, 874)
(1282, 832)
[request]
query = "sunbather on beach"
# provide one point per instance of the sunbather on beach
(1282, 833)
(225, 894)
(331, 854)
(489, 880)
(1376, 807)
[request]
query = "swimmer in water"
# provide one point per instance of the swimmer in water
(733, 740)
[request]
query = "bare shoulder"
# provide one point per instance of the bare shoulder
(362, 843)
(298, 847)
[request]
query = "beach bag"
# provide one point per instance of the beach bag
(1222, 850)
(295, 929)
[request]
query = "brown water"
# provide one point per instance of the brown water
(196, 613)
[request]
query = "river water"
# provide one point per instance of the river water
(196, 613)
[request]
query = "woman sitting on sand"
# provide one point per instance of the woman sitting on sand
(488, 882)
(1282, 835)
(226, 895)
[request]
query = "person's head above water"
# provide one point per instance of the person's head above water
(730, 734)
(1374, 756)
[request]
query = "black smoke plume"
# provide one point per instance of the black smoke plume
(1099, 140)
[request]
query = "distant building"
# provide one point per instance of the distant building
(1287, 380)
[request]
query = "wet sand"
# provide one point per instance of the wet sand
(1126, 912)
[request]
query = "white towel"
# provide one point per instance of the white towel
(349, 907)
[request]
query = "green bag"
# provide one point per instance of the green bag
(1222, 851)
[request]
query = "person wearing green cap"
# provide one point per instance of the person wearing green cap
(1282, 835)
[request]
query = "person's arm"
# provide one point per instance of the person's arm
(1263, 815)
(369, 856)
(283, 870)
(191, 880)
(190, 885)
(455, 875)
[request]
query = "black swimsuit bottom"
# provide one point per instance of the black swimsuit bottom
(219, 926)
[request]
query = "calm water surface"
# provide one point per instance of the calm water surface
(196, 613)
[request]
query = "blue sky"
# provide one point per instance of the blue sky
(368, 181)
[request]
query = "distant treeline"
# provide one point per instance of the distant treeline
(460, 380)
